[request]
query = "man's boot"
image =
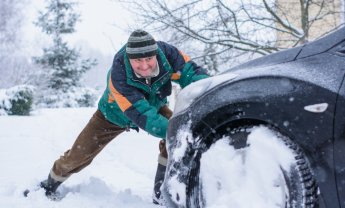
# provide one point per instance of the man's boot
(50, 185)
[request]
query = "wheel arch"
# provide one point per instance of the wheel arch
(229, 117)
(275, 101)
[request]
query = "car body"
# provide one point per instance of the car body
(299, 91)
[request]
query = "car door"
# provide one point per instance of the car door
(339, 133)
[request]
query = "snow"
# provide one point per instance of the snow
(122, 175)
(174, 186)
(4, 102)
(248, 177)
(252, 173)
(194, 90)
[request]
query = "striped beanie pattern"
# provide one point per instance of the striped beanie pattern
(141, 44)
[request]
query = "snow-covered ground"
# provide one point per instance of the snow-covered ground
(122, 175)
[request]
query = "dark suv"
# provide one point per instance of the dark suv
(299, 94)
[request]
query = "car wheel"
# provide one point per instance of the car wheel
(271, 172)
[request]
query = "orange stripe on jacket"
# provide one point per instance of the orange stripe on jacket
(111, 99)
(121, 100)
(185, 57)
(175, 76)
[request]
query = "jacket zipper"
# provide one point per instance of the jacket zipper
(135, 80)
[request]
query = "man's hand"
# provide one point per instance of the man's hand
(163, 149)
(165, 111)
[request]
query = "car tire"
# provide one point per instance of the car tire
(302, 190)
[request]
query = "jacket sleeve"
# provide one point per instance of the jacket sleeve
(185, 71)
(134, 105)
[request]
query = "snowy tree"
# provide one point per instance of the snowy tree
(63, 64)
(10, 21)
(13, 65)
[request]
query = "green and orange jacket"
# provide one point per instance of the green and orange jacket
(129, 102)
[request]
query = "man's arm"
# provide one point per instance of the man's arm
(185, 70)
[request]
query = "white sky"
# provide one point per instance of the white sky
(103, 24)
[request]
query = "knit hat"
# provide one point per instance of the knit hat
(141, 44)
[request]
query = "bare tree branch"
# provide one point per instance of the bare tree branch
(232, 29)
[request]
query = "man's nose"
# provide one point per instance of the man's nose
(144, 65)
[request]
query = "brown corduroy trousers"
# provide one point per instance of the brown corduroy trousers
(93, 138)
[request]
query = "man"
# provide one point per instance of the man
(139, 82)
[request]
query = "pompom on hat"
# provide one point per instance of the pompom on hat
(141, 44)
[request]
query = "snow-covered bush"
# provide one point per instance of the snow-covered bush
(16, 100)
(75, 97)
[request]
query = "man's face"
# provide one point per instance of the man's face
(144, 66)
